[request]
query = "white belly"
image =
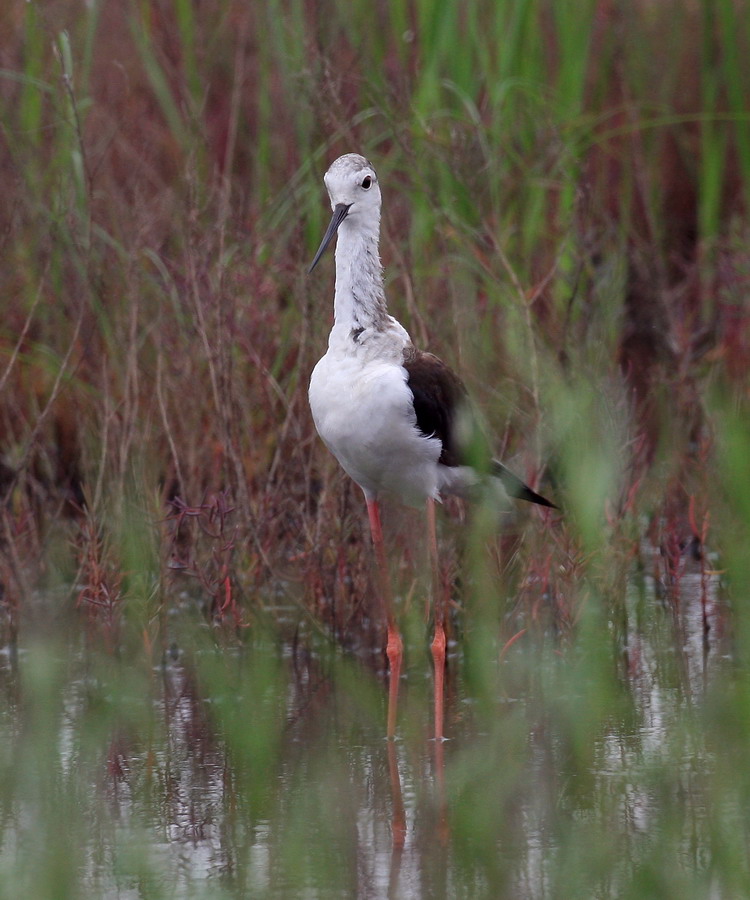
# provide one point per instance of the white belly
(364, 413)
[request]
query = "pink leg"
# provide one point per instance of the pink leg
(438, 641)
(394, 647)
(438, 659)
(443, 829)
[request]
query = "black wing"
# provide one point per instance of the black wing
(439, 396)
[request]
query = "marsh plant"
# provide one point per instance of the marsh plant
(192, 699)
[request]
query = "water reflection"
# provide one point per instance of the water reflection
(265, 773)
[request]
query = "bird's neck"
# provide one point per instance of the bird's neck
(359, 302)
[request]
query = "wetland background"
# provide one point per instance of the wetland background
(192, 692)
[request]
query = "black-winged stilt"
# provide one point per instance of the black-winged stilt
(392, 415)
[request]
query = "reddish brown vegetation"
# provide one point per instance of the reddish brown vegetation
(158, 330)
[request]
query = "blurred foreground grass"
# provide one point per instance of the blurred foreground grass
(566, 191)
(614, 769)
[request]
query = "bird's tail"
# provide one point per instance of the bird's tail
(517, 488)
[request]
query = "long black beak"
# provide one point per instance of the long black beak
(339, 214)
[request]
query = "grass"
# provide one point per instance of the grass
(565, 222)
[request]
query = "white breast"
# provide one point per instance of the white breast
(363, 410)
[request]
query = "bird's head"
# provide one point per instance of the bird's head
(355, 196)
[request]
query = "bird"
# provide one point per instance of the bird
(398, 419)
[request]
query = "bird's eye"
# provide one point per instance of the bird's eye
(366, 183)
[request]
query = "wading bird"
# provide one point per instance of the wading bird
(392, 415)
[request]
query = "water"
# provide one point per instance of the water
(262, 771)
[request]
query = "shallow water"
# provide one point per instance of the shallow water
(264, 772)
